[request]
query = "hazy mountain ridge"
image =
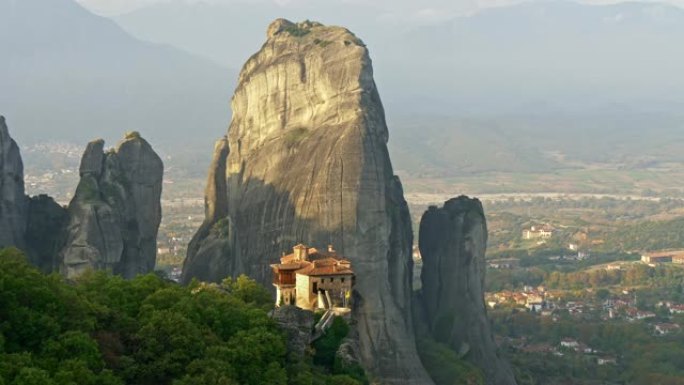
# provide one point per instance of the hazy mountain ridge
(68, 74)
(465, 95)
(490, 92)
(587, 57)
(495, 61)
(448, 146)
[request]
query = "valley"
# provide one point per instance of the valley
(224, 193)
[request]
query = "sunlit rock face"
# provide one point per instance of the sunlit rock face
(309, 164)
(13, 202)
(453, 241)
(116, 210)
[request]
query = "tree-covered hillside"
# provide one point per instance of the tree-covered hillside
(103, 330)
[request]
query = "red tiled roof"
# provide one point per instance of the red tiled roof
(667, 326)
(325, 262)
(317, 264)
(287, 258)
(313, 254)
(325, 270)
(288, 266)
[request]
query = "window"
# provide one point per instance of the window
(315, 287)
(342, 279)
(331, 279)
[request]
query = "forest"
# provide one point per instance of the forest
(104, 330)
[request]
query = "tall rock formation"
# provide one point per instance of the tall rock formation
(33, 225)
(309, 163)
(116, 210)
(111, 222)
(13, 202)
(453, 241)
(214, 251)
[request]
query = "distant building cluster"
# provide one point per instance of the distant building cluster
(580, 256)
(538, 232)
(550, 304)
(618, 307)
(532, 298)
(504, 263)
(673, 308)
(565, 346)
(624, 307)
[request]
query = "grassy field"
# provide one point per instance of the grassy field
(598, 181)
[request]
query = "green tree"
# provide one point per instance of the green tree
(33, 376)
(248, 291)
(104, 330)
(168, 343)
(327, 345)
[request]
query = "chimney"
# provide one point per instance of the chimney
(301, 252)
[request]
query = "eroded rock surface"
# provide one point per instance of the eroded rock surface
(33, 225)
(214, 251)
(47, 221)
(116, 210)
(297, 325)
(453, 241)
(13, 201)
(309, 163)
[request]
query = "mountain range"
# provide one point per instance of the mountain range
(68, 74)
(534, 86)
(531, 57)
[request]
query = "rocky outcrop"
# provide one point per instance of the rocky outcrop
(33, 225)
(453, 241)
(348, 355)
(13, 202)
(297, 325)
(214, 251)
(111, 222)
(309, 163)
(47, 221)
(116, 210)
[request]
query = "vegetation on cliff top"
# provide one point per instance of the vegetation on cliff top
(132, 135)
(297, 30)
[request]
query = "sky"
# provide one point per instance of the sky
(427, 9)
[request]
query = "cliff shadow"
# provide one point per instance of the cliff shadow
(262, 224)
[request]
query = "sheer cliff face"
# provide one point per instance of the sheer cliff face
(116, 210)
(32, 224)
(111, 223)
(214, 251)
(44, 237)
(13, 202)
(308, 163)
(453, 240)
